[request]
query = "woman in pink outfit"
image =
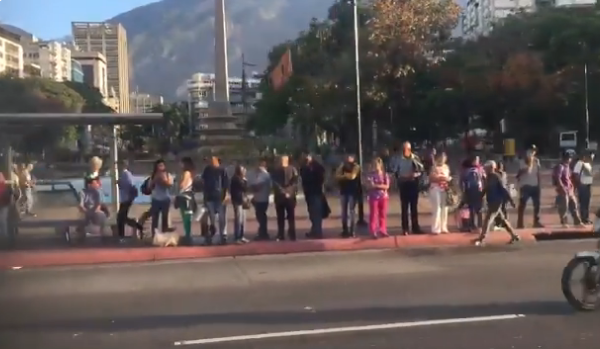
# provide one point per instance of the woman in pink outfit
(378, 183)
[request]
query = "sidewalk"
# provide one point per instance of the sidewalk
(93, 253)
(45, 249)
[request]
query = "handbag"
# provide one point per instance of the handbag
(246, 203)
(451, 198)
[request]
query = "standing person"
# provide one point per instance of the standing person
(160, 185)
(215, 182)
(499, 223)
(583, 178)
(496, 195)
(185, 201)
(565, 195)
(6, 199)
(378, 184)
(95, 164)
(313, 181)
(239, 200)
(261, 187)
(407, 168)
(360, 201)
(127, 193)
(438, 194)
(27, 184)
(349, 183)
(472, 184)
(285, 184)
(429, 159)
(529, 182)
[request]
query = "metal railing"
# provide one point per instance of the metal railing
(55, 185)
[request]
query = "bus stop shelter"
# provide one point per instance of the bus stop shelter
(13, 124)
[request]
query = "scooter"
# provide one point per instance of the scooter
(590, 281)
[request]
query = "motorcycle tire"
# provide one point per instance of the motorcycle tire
(566, 285)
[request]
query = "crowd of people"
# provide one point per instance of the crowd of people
(478, 192)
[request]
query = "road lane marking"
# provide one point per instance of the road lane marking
(349, 329)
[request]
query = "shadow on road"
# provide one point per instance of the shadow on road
(299, 318)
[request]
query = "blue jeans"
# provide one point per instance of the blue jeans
(584, 193)
(315, 214)
(239, 222)
(217, 217)
(28, 200)
(160, 208)
(348, 205)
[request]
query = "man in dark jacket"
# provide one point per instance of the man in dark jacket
(285, 187)
(215, 184)
(348, 177)
(313, 181)
(496, 195)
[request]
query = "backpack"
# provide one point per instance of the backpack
(473, 180)
(145, 188)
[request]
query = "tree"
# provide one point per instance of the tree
(93, 99)
(169, 135)
(321, 95)
(37, 95)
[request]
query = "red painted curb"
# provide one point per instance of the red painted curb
(90, 256)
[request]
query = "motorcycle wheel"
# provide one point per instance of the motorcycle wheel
(589, 283)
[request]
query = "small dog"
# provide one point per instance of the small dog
(165, 239)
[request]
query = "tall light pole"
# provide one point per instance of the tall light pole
(357, 68)
(587, 108)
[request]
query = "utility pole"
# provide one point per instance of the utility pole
(357, 69)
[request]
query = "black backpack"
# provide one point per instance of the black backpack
(145, 187)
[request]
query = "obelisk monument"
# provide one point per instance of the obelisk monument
(221, 70)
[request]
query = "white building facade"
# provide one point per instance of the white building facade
(142, 103)
(479, 16)
(53, 58)
(200, 92)
(11, 54)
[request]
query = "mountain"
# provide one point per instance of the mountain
(170, 40)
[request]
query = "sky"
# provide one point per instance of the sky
(51, 19)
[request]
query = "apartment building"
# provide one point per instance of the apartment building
(76, 71)
(109, 39)
(93, 67)
(53, 58)
(144, 102)
(32, 71)
(479, 16)
(11, 53)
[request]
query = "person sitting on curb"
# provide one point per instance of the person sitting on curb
(90, 205)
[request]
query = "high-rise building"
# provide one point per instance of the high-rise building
(480, 16)
(93, 67)
(76, 71)
(53, 58)
(110, 39)
(11, 53)
(143, 102)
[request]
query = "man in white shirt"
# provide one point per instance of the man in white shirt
(529, 187)
(583, 177)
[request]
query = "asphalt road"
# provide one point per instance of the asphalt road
(155, 306)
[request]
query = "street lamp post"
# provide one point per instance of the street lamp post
(587, 109)
(357, 68)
